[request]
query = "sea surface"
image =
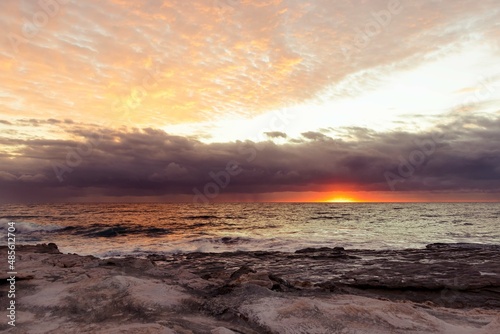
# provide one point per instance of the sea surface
(108, 230)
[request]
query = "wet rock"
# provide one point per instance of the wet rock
(157, 257)
(415, 274)
(50, 248)
(325, 253)
(460, 246)
(314, 250)
(328, 285)
(69, 260)
(129, 263)
(221, 330)
(197, 293)
(242, 271)
(3, 278)
(282, 285)
(255, 278)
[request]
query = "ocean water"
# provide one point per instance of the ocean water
(107, 230)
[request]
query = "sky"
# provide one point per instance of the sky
(249, 100)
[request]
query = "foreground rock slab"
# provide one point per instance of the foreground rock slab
(440, 289)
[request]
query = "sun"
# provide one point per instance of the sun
(341, 196)
(341, 200)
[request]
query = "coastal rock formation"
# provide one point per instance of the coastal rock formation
(440, 289)
(455, 275)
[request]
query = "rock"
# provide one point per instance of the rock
(314, 250)
(196, 293)
(325, 253)
(242, 271)
(50, 248)
(256, 278)
(328, 285)
(221, 330)
(280, 283)
(69, 261)
(156, 257)
(460, 246)
(128, 263)
(3, 278)
(473, 271)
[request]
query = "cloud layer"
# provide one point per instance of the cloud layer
(462, 155)
(88, 87)
(169, 62)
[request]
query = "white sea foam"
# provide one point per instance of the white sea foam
(28, 227)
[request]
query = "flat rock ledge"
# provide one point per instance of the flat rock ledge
(444, 288)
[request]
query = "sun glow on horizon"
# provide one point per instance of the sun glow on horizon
(341, 200)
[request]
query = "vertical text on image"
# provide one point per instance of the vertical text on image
(11, 273)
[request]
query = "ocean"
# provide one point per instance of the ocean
(115, 230)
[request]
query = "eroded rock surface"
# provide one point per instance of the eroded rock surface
(447, 275)
(440, 289)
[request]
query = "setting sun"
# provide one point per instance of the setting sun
(342, 197)
(341, 200)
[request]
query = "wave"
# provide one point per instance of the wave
(224, 240)
(106, 231)
(28, 227)
(461, 245)
(201, 217)
(16, 218)
(235, 217)
(329, 217)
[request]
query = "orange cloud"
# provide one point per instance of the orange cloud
(168, 62)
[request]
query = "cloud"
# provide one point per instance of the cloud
(37, 178)
(275, 134)
(177, 61)
(312, 135)
(173, 171)
(465, 157)
(76, 89)
(7, 177)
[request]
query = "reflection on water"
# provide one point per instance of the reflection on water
(139, 229)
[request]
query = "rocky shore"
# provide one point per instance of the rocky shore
(444, 288)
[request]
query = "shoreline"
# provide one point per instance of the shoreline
(442, 288)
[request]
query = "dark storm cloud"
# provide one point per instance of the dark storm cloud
(312, 135)
(462, 155)
(39, 122)
(276, 134)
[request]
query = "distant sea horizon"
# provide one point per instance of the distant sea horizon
(246, 202)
